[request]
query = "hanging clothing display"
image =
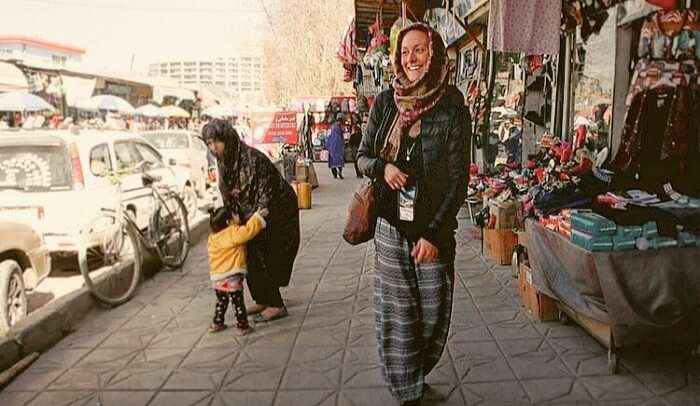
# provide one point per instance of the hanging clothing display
(528, 26)
(672, 34)
(660, 136)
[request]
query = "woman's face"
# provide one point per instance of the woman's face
(415, 54)
(216, 147)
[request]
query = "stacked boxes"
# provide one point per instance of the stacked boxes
(592, 232)
(500, 244)
(540, 306)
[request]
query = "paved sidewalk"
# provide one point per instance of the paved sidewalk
(155, 350)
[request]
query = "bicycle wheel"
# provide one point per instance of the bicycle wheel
(174, 241)
(110, 258)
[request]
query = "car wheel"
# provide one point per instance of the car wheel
(189, 198)
(13, 298)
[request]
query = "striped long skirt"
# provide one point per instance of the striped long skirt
(412, 310)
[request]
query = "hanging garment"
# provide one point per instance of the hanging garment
(528, 26)
(669, 34)
(660, 137)
(647, 73)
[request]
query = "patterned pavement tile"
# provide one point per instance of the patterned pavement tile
(378, 396)
(334, 333)
(556, 390)
(307, 397)
(46, 369)
(246, 397)
(479, 362)
(16, 398)
(615, 387)
(494, 393)
(361, 368)
(314, 368)
(182, 398)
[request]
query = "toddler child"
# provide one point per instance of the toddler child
(227, 263)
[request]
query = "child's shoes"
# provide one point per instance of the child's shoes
(243, 331)
(215, 328)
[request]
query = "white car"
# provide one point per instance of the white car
(60, 179)
(24, 262)
(183, 149)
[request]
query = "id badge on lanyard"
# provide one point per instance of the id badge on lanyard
(407, 196)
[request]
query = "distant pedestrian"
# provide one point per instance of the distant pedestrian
(228, 263)
(355, 140)
(247, 178)
(336, 147)
(416, 149)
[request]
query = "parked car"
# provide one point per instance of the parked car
(68, 176)
(24, 262)
(183, 149)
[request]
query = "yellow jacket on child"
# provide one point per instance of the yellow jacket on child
(227, 248)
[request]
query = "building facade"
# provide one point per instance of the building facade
(241, 76)
(37, 51)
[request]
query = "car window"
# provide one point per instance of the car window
(35, 168)
(127, 155)
(100, 161)
(148, 153)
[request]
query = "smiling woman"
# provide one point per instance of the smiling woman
(416, 148)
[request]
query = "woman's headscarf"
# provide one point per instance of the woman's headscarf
(222, 130)
(413, 99)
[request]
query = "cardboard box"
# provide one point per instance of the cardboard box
(590, 242)
(500, 245)
(540, 306)
(593, 224)
(505, 217)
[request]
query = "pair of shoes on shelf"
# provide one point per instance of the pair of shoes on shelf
(281, 313)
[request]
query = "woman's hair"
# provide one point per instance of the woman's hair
(220, 130)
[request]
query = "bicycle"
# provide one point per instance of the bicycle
(112, 239)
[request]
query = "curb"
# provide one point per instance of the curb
(45, 327)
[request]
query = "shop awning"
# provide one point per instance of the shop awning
(368, 11)
(76, 89)
(159, 92)
(11, 78)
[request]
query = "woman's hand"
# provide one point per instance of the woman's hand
(424, 251)
(394, 177)
(263, 211)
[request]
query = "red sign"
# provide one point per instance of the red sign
(275, 127)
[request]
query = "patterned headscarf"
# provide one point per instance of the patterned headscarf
(413, 99)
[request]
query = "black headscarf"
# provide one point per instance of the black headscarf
(222, 130)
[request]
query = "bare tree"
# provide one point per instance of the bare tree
(300, 48)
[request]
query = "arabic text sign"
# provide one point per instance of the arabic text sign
(277, 127)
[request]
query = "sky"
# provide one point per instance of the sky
(114, 31)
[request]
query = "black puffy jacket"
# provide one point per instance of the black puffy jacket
(445, 134)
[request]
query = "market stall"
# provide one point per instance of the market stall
(600, 217)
